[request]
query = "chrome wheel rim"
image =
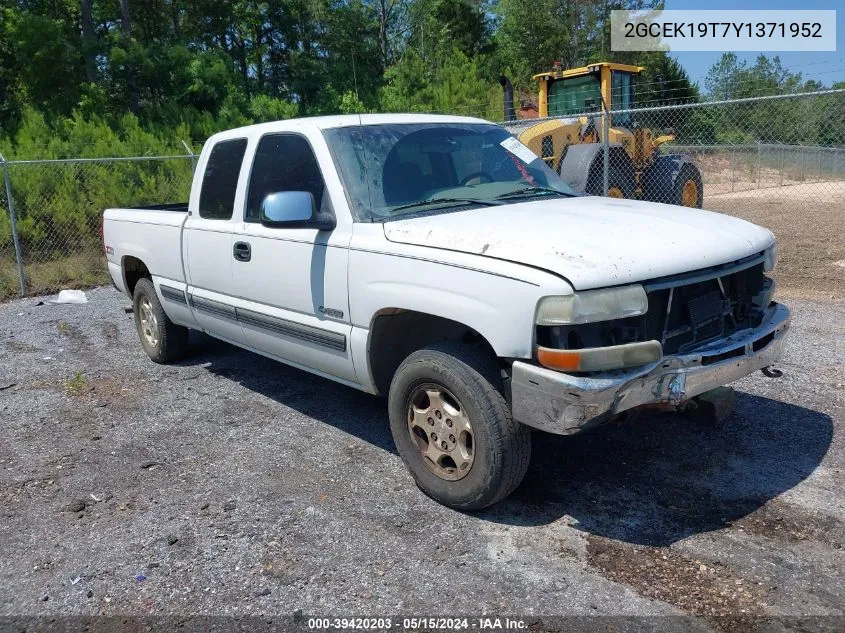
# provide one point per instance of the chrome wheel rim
(441, 431)
(149, 323)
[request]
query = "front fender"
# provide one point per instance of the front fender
(499, 308)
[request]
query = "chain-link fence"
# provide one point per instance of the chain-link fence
(778, 161)
(57, 207)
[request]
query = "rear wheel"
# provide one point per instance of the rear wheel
(453, 428)
(161, 338)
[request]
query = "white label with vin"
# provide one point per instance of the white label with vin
(518, 149)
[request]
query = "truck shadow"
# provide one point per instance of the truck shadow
(651, 481)
(661, 478)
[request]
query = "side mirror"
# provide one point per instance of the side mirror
(293, 209)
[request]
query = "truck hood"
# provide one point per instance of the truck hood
(593, 242)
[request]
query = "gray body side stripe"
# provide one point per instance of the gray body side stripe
(318, 336)
(308, 333)
(213, 307)
(174, 294)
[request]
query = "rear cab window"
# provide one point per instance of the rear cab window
(220, 179)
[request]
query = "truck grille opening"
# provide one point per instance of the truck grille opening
(684, 313)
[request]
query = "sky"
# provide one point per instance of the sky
(826, 67)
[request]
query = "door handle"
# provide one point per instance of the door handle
(242, 251)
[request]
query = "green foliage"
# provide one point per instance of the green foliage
(95, 78)
(264, 108)
(78, 385)
(798, 122)
(730, 78)
(456, 87)
(531, 36)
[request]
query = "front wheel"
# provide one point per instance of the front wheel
(453, 428)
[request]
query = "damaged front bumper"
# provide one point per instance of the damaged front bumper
(560, 403)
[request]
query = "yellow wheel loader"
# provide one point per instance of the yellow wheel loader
(574, 104)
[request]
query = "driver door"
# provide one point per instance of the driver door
(295, 279)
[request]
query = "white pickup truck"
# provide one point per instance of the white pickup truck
(437, 261)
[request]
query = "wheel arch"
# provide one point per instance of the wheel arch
(395, 333)
(133, 269)
(582, 166)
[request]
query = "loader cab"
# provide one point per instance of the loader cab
(577, 91)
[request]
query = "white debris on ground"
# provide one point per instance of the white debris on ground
(69, 296)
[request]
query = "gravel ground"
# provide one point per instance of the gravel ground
(232, 485)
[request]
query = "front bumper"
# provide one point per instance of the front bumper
(560, 403)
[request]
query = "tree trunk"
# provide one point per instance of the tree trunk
(239, 47)
(385, 10)
(88, 42)
(131, 69)
(125, 19)
(259, 59)
(176, 19)
(574, 42)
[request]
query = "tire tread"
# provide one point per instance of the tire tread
(173, 339)
(510, 440)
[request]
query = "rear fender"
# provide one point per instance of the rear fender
(582, 167)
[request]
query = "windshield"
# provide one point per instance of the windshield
(393, 170)
(574, 95)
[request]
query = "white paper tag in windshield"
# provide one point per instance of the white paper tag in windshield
(518, 149)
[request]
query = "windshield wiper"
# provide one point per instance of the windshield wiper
(525, 191)
(428, 201)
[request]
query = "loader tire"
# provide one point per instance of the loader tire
(688, 190)
(620, 184)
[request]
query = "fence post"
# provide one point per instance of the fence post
(758, 164)
(803, 156)
(193, 156)
(13, 223)
(782, 157)
(733, 169)
(605, 140)
(819, 175)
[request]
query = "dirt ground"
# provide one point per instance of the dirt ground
(232, 485)
(809, 223)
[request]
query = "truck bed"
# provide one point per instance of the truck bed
(153, 233)
(170, 206)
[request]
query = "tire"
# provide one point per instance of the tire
(163, 340)
(500, 452)
(689, 189)
(620, 183)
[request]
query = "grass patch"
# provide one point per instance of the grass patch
(77, 385)
(81, 270)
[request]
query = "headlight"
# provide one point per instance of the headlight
(592, 306)
(601, 358)
(771, 258)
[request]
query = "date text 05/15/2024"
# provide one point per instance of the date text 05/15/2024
(418, 623)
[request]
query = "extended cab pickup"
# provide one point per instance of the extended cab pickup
(437, 261)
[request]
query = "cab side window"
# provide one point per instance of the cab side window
(284, 162)
(220, 179)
